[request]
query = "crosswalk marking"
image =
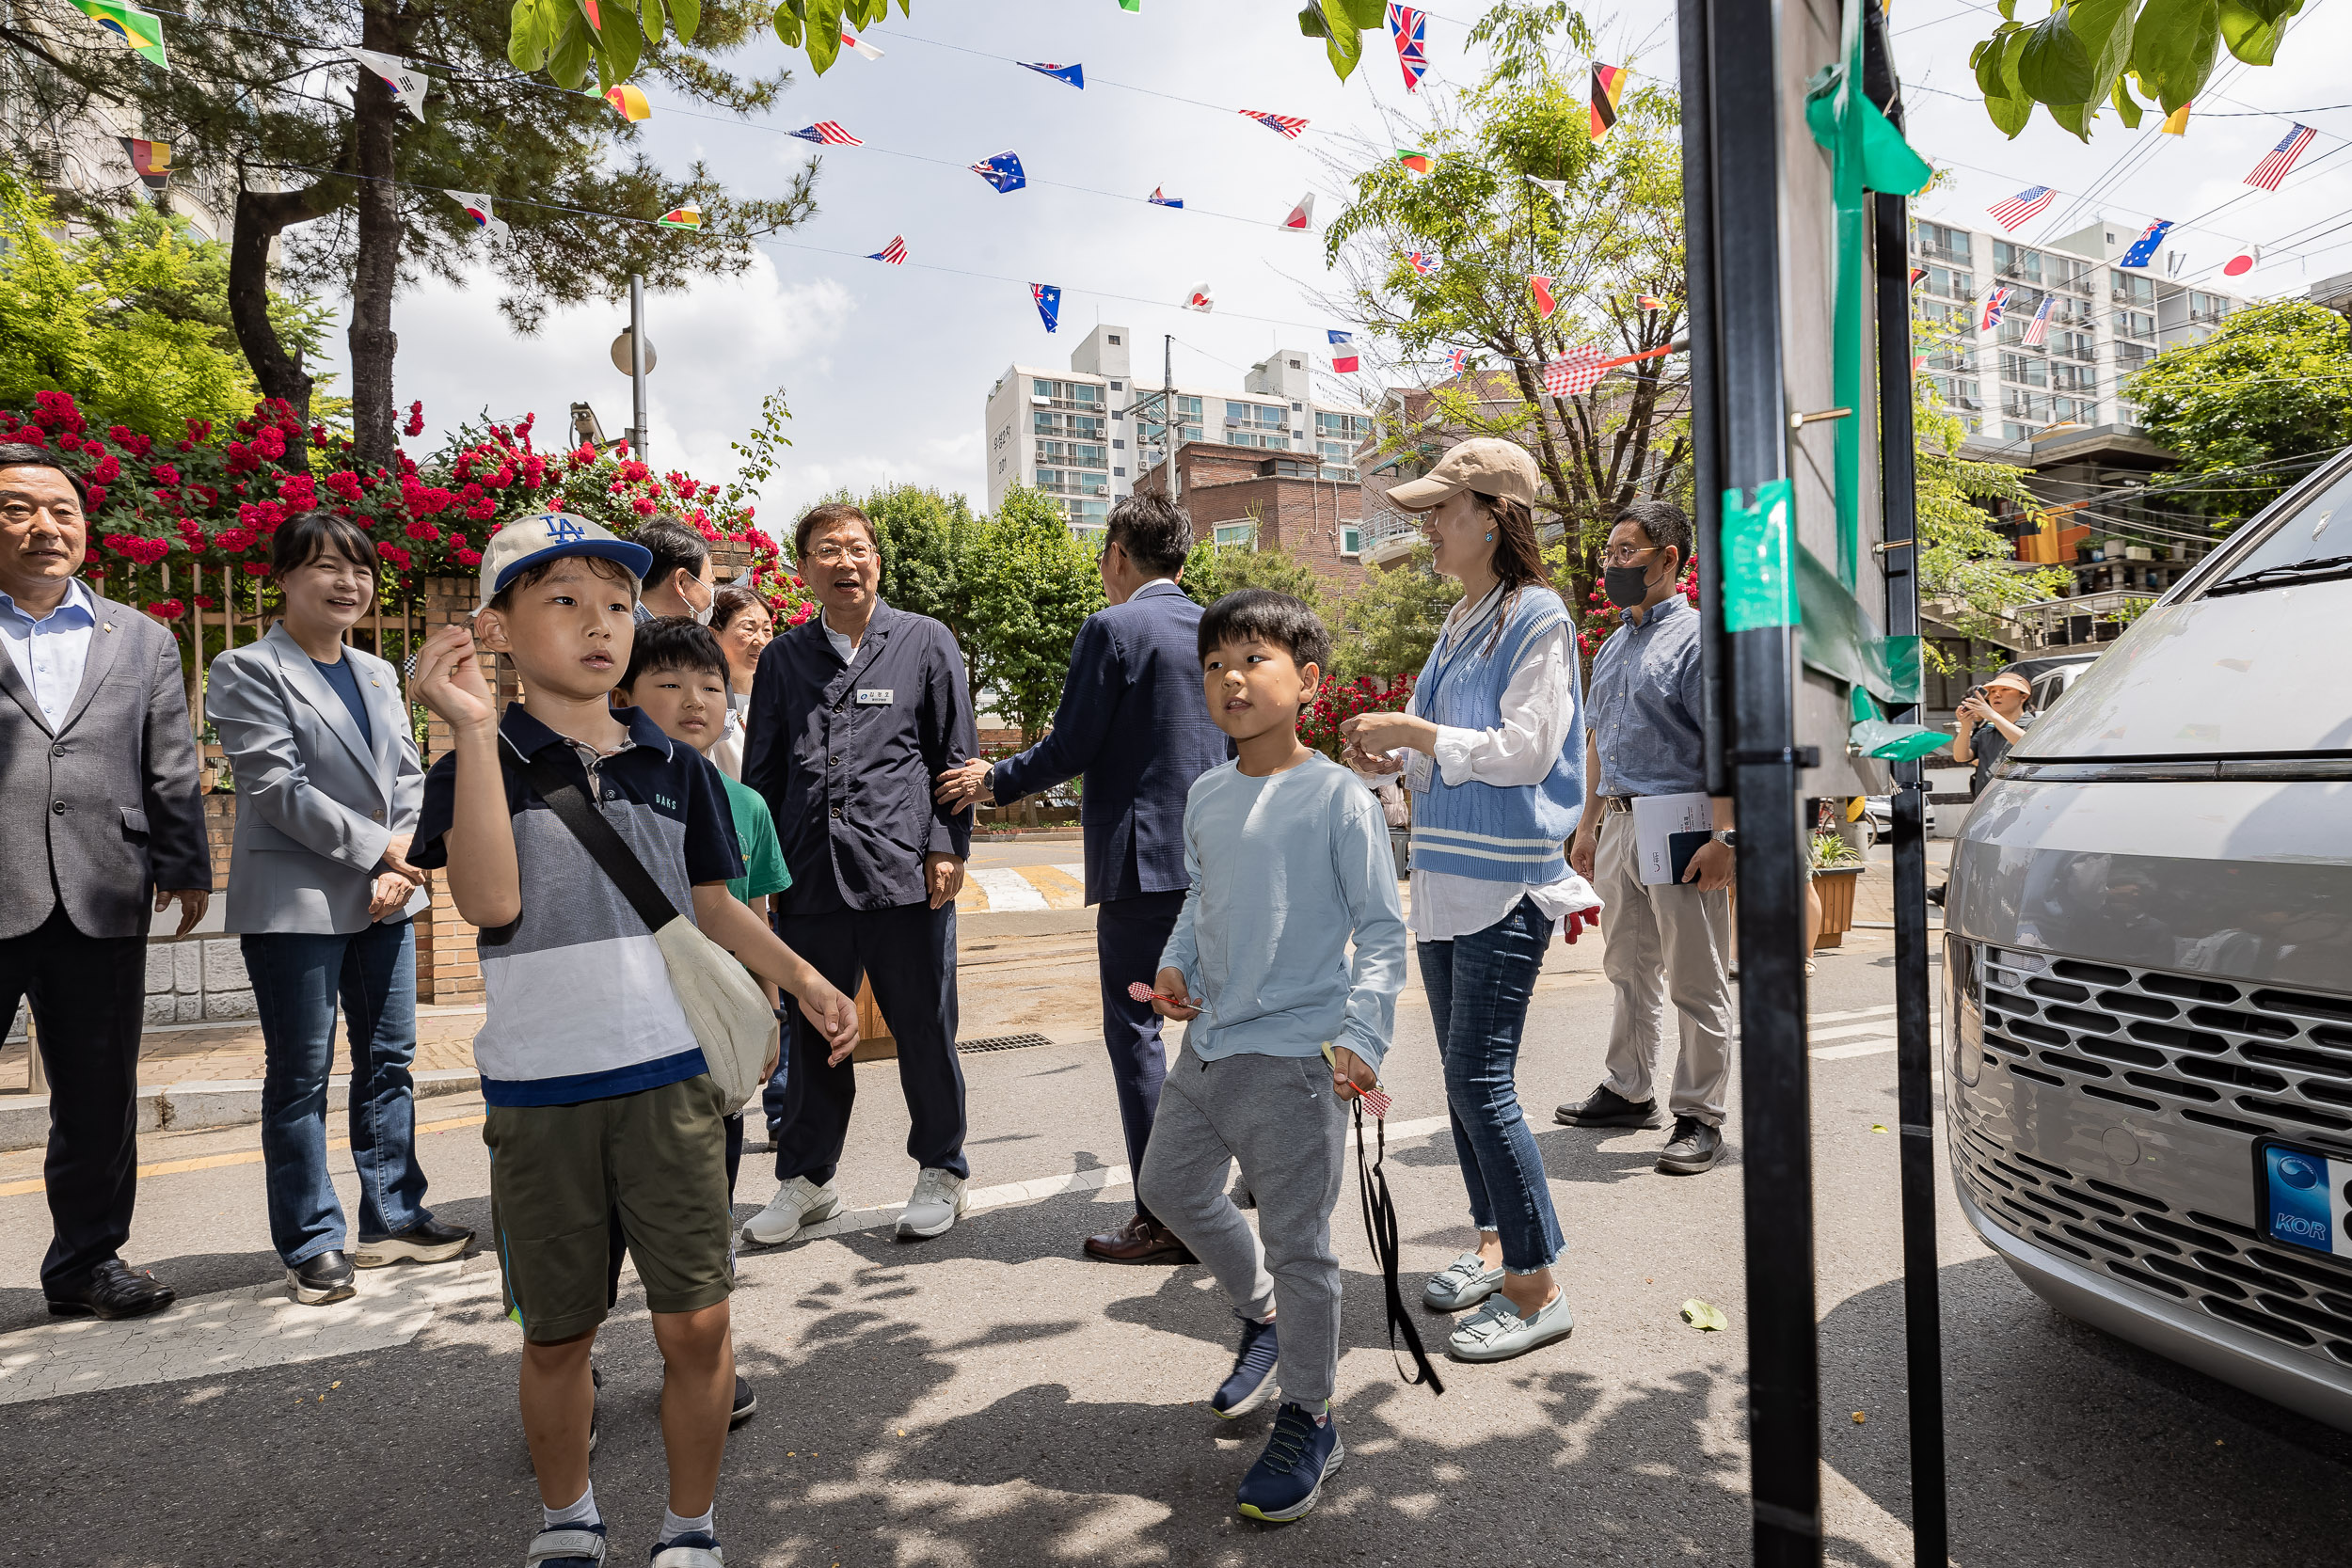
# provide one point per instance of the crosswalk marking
(1006, 888)
(1854, 1048)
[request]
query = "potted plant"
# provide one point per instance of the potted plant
(1836, 864)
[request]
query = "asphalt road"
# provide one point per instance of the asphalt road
(990, 1398)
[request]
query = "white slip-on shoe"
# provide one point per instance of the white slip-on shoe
(937, 1204)
(797, 1203)
(1496, 1332)
(1465, 1282)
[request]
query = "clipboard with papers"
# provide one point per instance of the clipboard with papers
(1667, 830)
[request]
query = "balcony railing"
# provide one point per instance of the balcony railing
(1942, 253)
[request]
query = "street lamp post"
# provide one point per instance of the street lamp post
(637, 366)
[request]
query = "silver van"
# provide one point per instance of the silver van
(2149, 957)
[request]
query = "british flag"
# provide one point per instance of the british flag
(1286, 125)
(1995, 303)
(895, 252)
(1458, 361)
(2037, 329)
(2280, 158)
(828, 132)
(1421, 262)
(1409, 27)
(2022, 208)
(1574, 373)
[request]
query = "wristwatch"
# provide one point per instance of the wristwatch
(1727, 837)
(988, 785)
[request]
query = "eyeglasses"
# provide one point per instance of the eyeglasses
(834, 555)
(1626, 555)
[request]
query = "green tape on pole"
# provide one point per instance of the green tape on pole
(1843, 641)
(1872, 736)
(1759, 588)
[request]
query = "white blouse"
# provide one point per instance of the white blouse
(728, 752)
(1537, 707)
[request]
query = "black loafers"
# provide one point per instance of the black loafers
(112, 1289)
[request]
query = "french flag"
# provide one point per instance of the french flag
(1344, 361)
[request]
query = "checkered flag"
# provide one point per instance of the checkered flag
(1574, 373)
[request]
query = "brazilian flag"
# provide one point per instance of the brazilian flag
(138, 29)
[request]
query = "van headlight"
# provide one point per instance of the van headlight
(1963, 1008)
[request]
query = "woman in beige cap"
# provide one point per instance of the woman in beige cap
(1492, 748)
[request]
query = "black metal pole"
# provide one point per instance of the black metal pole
(1915, 1046)
(1731, 199)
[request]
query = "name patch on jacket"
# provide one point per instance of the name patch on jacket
(876, 696)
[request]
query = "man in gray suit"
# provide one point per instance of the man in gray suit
(98, 811)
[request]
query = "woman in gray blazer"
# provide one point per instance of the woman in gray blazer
(322, 894)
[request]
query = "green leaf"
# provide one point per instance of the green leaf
(526, 50)
(1368, 15)
(2055, 66)
(2249, 36)
(787, 27)
(2072, 116)
(2125, 104)
(2272, 11)
(825, 34)
(2010, 114)
(1705, 1315)
(1344, 44)
(2173, 48)
(686, 19)
(2105, 29)
(624, 45)
(1311, 23)
(649, 17)
(574, 52)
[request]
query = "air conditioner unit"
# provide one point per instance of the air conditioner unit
(47, 158)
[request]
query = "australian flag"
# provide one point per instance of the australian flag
(1048, 297)
(1074, 74)
(1002, 171)
(2144, 248)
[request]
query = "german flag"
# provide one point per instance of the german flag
(150, 160)
(1607, 87)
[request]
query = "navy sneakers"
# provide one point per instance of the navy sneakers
(1288, 1477)
(1252, 1377)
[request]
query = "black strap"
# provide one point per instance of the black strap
(1381, 1230)
(603, 842)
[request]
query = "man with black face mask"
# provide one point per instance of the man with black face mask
(1667, 942)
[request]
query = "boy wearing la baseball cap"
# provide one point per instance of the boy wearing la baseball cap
(596, 1094)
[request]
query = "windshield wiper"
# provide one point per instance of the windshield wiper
(2317, 569)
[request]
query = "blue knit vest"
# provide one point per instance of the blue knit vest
(1483, 830)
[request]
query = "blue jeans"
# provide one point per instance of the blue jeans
(297, 980)
(1479, 985)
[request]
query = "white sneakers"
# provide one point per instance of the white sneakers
(797, 1203)
(937, 1204)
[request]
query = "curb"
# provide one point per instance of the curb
(201, 1104)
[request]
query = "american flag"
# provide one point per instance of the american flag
(1421, 263)
(2039, 328)
(828, 132)
(1407, 27)
(1994, 302)
(895, 252)
(2280, 158)
(2022, 208)
(1288, 125)
(1574, 373)
(1160, 198)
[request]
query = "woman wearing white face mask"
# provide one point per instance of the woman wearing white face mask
(741, 619)
(680, 581)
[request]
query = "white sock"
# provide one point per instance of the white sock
(581, 1512)
(1324, 1419)
(673, 1526)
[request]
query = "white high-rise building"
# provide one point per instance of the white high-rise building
(2104, 323)
(1085, 434)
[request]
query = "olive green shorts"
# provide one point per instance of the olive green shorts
(657, 1158)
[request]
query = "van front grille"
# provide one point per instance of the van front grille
(2255, 1062)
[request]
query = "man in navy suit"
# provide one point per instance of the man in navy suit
(1133, 719)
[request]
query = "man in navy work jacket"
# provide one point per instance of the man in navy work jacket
(1133, 719)
(853, 713)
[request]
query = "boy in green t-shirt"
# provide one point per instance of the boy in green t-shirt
(677, 677)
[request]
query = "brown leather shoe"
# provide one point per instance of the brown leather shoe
(1139, 1241)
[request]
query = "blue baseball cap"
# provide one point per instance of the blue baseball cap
(549, 536)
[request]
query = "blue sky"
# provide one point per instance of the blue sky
(886, 367)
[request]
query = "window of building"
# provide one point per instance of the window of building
(1044, 422)
(1084, 395)
(1073, 481)
(1297, 366)
(1351, 539)
(2207, 307)
(2025, 405)
(2073, 345)
(2134, 324)
(2024, 368)
(1260, 416)
(2132, 288)
(1342, 427)
(2075, 378)
(1119, 473)
(1237, 536)
(2017, 432)
(1340, 453)
(1117, 385)
(1110, 336)
(1950, 283)
(1957, 391)
(2016, 260)
(1938, 240)
(1080, 455)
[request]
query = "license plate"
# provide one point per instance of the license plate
(2304, 1197)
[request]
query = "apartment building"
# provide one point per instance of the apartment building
(1087, 433)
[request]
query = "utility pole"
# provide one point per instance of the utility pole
(637, 368)
(1171, 430)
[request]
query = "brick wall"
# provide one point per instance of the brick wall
(1222, 485)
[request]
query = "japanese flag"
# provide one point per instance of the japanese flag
(1200, 299)
(1302, 215)
(861, 46)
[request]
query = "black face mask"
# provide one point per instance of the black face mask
(1626, 586)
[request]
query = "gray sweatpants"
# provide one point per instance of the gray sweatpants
(1278, 1117)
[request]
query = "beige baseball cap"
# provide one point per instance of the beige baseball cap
(1484, 463)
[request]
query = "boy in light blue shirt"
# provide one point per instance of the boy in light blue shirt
(1288, 859)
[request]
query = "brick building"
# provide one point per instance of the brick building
(1263, 500)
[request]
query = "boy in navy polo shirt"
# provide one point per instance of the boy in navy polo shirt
(597, 1093)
